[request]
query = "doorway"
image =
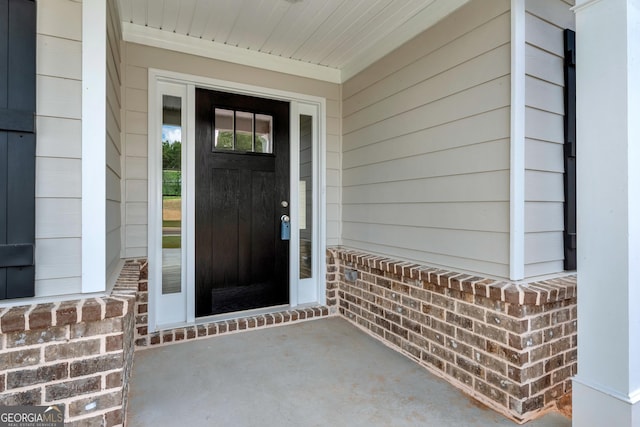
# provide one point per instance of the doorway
(242, 202)
(226, 162)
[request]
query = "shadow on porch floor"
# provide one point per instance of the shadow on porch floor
(317, 373)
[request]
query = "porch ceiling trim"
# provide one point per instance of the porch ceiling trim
(208, 49)
(365, 54)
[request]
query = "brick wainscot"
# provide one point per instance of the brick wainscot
(78, 353)
(510, 345)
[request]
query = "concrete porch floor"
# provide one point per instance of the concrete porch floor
(317, 373)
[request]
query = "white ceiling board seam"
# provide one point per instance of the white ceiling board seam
(196, 46)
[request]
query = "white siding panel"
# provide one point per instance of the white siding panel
(135, 252)
(472, 73)
(59, 137)
(52, 287)
(113, 187)
(58, 258)
(136, 77)
(59, 97)
(136, 100)
(481, 187)
(544, 186)
(58, 177)
(484, 157)
(113, 159)
(491, 247)
(544, 156)
(557, 12)
(136, 122)
(58, 148)
(136, 167)
(544, 65)
(113, 216)
(544, 131)
(544, 96)
(543, 268)
(492, 217)
(544, 35)
(488, 96)
(544, 125)
(136, 236)
(136, 190)
(136, 213)
(114, 146)
(58, 218)
(136, 145)
(60, 18)
(544, 216)
(59, 57)
(470, 17)
(486, 38)
(483, 127)
(426, 146)
(113, 250)
(543, 247)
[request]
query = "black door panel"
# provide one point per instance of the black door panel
(241, 263)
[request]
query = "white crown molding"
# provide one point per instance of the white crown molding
(426, 18)
(209, 49)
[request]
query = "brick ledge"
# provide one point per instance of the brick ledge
(40, 316)
(535, 293)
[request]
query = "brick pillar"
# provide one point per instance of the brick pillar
(607, 387)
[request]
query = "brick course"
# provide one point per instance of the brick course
(510, 345)
(78, 353)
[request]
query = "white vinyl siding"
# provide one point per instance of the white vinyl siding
(426, 146)
(544, 135)
(138, 59)
(113, 144)
(58, 150)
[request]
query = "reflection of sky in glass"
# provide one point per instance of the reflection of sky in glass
(171, 133)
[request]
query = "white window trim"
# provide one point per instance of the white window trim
(297, 102)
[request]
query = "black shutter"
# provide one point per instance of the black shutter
(17, 147)
(570, 260)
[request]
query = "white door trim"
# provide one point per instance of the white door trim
(299, 103)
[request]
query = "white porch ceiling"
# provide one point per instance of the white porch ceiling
(326, 39)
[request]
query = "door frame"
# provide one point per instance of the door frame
(183, 304)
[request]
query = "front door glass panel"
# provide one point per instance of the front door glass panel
(306, 196)
(242, 131)
(171, 194)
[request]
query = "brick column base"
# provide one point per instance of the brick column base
(78, 353)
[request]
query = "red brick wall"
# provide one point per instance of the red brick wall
(78, 353)
(512, 346)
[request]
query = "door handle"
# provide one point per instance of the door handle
(285, 227)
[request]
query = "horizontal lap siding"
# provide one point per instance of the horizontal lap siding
(426, 146)
(545, 21)
(138, 59)
(114, 148)
(58, 148)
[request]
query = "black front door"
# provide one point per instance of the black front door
(242, 180)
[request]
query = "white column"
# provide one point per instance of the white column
(607, 387)
(94, 131)
(516, 176)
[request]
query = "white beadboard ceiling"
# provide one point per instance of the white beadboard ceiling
(326, 39)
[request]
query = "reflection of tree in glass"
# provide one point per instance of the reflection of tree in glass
(171, 155)
(243, 142)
